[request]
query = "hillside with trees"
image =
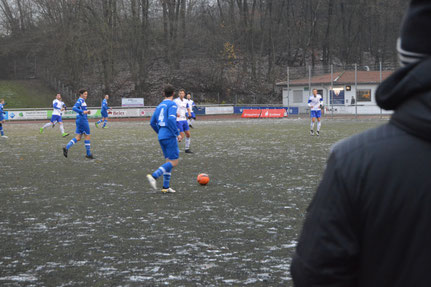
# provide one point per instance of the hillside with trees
(216, 48)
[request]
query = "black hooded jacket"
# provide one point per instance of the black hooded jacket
(369, 223)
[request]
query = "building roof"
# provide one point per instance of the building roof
(341, 78)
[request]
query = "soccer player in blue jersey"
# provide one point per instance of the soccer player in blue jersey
(2, 121)
(59, 107)
(104, 112)
(315, 102)
(164, 123)
(82, 127)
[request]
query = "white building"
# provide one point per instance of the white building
(344, 99)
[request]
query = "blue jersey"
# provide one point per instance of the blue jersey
(80, 107)
(105, 105)
(1, 112)
(164, 120)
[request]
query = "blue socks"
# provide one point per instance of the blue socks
(104, 123)
(71, 143)
(166, 179)
(1, 130)
(165, 168)
(87, 147)
(99, 121)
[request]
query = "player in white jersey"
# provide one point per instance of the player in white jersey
(59, 107)
(191, 104)
(183, 113)
(315, 102)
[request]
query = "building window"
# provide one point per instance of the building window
(364, 95)
(298, 96)
(336, 96)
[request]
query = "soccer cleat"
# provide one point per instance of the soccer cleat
(65, 151)
(188, 151)
(97, 125)
(105, 127)
(152, 181)
(89, 156)
(168, 190)
(5, 137)
(64, 134)
(311, 133)
(317, 133)
(191, 126)
(41, 130)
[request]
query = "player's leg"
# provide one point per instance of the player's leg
(192, 120)
(87, 142)
(1, 129)
(318, 123)
(171, 153)
(51, 123)
(73, 141)
(86, 132)
(60, 122)
(100, 121)
(105, 121)
(172, 158)
(313, 119)
(188, 136)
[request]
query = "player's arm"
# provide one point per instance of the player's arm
(153, 121)
(55, 106)
(328, 249)
(189, 110)
(77, 108)
(310, 104)
(172, 120)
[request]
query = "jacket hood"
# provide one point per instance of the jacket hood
(408, 92)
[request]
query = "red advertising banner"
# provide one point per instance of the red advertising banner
(273, 113)
(250, 114)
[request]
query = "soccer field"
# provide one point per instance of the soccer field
(75, 222)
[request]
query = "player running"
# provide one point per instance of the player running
(183, 125)
(2, 121)
(191, 104)
(315, 102)
(164, 123)
(104, 112)
(82, 126)
(59, 107)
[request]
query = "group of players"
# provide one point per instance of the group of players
(171, 120)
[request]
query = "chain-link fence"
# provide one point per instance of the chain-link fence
(345, 89)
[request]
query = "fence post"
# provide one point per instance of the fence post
(288, 87)
(332, 90)
(356, 91)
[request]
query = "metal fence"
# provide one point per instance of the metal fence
(348, 89)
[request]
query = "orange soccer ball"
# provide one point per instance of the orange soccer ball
(203, 179)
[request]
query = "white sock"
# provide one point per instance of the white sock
(62, 128)
(312, 125)
(318, 126)
(47, 125)
(188, 143)
(191, 121)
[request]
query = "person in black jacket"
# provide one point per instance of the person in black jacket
(369, 223)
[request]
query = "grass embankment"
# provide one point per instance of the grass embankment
(26, 94)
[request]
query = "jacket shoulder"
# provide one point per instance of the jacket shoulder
(372, 137)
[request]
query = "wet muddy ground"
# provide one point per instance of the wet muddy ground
(76, 222)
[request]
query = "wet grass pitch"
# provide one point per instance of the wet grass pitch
(76, 222)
